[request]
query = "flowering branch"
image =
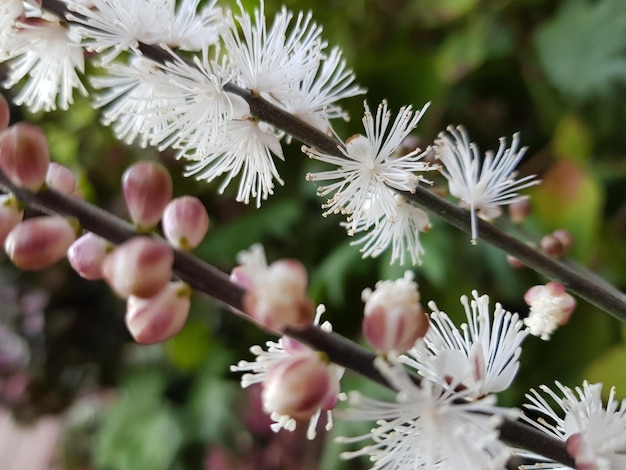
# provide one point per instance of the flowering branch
(577, 280)
(206, 278)
(228, 115)
(200, 275)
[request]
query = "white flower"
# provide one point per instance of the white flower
(400, 232)
(314, 98)
(270, 62)
(368, 167)
(482, 355)
(132, 92)
(48, 53)
(110, 27)
(481, 188)
(248, 151)
(276, 352)
(595, 433)
(10, 10)
(182, 26)
(194, 116)
(428, 427)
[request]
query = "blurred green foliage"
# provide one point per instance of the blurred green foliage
(554, 71)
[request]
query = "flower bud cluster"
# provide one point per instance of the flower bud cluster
(140, 269)
(41, 241)
(557, 244)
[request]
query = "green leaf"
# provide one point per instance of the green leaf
(274, 219)
(211, 408)
(572, 140)
(189, 348)
(442, 11)
(332, 275)
(582, 49)
(461, 53)
(140, 432)
(609, 369)
(570, 198)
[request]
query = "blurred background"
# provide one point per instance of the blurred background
(553, 70)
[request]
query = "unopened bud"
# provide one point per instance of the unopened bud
(40, 242)
(24, 155)
(393, 317)
(519, 210)
(141, 266)
(297, 387)
(11, 214)
(147, 188)
(161, 317)
(551, 246)
(87, 254)
(60, 178)
(278, 299)
(185, 222)
(566, 239)
(514, 262)
(582, 453)
(550, 306)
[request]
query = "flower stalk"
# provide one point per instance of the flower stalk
(575, 279)
(205, 278)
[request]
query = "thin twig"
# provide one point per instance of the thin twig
(205, 278)
(600, 294)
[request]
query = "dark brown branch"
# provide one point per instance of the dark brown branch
(205, 278)
(600, 294)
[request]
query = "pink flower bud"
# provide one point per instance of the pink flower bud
(393, 317)
(566, 239)
(240, 277)
(60, 178)
(551, 246)
(185, 222)
(161, 317)
(514, 262)
(40, 242)
(293, 346)
(520, 210)
(297, 387)
(11, 214)
(278, 298)
(5, 113)
(147, 188)
(581, 452)
(550, 306)
(87, 254)
(141, 266)
(24, 155)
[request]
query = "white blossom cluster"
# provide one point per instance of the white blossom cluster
(185, 74)
(449, 420)
(171, 75)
